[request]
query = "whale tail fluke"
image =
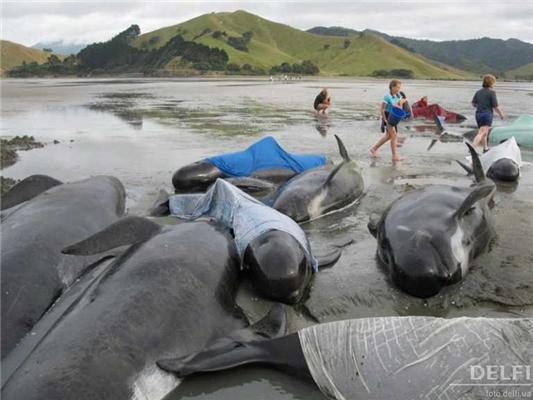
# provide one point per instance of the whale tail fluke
(342, 149)
(27, 189)
(126, 231)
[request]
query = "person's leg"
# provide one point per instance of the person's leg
(394, 144)
(481, 135)
(484, 141)
(382, 140)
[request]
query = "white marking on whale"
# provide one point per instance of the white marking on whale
(152, 383)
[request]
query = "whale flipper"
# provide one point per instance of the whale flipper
(342, 149)
(128, 230)
(160, 208)
(466, 167)
(236, 349)
(27, 189)
(332, 174)
(328, 259)
(437, 121)
(477, 194)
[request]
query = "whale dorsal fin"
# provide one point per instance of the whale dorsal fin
(27, 189)
(475, 195)
(476, 164)
(342, 149)
(466, 167)
(126, 231)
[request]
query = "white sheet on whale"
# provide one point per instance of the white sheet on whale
(413, 357)
(508, 149)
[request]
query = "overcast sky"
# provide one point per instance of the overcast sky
(28, 22)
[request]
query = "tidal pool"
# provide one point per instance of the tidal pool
(142, 130)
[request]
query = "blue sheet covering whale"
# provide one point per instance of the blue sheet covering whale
(264, 154)
(248, 217)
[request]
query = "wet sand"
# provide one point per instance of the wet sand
(142, 130)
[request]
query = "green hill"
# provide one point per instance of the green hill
(524, 72)
(272, 44)
(13, 54)
(476, 55)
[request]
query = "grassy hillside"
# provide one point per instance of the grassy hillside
(523, 72)
(273, 44)
(13, 54)
(475, 55)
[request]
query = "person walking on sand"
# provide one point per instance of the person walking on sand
(389, 128)
(322, 101)
(486, 103)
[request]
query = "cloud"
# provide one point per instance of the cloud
(34, 21)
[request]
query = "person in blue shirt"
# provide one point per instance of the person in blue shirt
(394, 98)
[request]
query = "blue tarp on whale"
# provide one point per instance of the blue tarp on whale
(246, 216)
(265, 154)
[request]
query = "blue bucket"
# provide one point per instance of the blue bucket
(396, 115)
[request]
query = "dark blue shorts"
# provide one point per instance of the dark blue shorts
(483, 119)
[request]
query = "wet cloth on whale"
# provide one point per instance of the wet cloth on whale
(246, 216)
(375, 358)
(508, 149)
(264, 154)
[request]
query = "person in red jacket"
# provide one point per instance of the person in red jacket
(423, 102)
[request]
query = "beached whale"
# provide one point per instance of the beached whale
(389, 357)
(263, 160)
(273, 249)
(44, 217)
(501, 162)
(318, 191)
(427, 237)
(171, 292)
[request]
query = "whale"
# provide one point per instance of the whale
(264, 160)
(388, 357)
(320, 190)
(500, 163)
(171, 291)
(44, 216)
(428, 237)
(275, 253)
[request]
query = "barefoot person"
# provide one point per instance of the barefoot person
(322, 101)
(392, 99)
(486, 103)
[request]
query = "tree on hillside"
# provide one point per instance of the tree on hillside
(347, 43)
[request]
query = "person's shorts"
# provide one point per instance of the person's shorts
(483, 119)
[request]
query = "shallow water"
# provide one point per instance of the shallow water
(141, 130)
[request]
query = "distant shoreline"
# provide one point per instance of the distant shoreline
(261, 78)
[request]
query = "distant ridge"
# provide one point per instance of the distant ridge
(13, 54)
